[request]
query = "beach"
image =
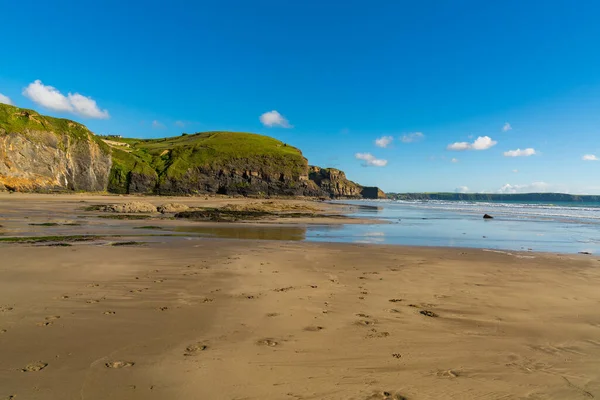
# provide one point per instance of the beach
(193, 317)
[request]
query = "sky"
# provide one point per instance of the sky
(410, 96)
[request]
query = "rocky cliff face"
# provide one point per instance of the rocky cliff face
(40, 153)
(335, 184)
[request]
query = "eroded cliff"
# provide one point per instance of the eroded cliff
(39, 153)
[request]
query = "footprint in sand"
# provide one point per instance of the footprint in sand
(194, 349)
(92, 301)
(45, 323)
(365, 322)
(35, 366)
(138, 290)
(428, 313)
(52, 317)
(285, 289)
(162, 308)
(361, 315)
(396, 355)
(109, 312)
(273, 314)
(119, 364)
(267, 342)
(451, 373)
(3, 331)
(159, 281)
(313, 328)
(92, 285)
(5, 308)
(385, 395)
(395, 300)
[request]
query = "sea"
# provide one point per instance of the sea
(516, 226)
(519, 226)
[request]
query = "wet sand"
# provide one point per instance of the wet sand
(198, 318)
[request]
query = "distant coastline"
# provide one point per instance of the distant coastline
(535, 197)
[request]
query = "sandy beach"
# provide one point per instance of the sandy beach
(184, 317)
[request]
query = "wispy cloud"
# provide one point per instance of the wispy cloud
(506, 127)
(370, 160)
(180, 124)
(454, 160)
(520, 153)
(384, 141)
(412, 137)
(481, 143)
(5, 99)
(273, 118)
(461, 189)
(157, 124)
(515, 171)
(51, 98)
(589, 157)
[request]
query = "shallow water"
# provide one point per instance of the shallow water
(560, 228)
(537, 227)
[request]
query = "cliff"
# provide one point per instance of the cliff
(39, 153)
(334, 182)
(209, 162)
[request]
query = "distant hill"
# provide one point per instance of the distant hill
(39, 153)
(534, 197)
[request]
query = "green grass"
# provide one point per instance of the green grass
(173, 157)
(44, 239)
(130, 243)
(21, 120)
(46, 224)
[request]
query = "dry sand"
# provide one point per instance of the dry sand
(192, 318)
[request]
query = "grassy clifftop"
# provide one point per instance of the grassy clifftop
(176, 161)
(21, 120)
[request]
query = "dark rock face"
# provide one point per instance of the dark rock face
(42, 161)
(487, 216)
(334, 184)
(237, 182)
(372, 192)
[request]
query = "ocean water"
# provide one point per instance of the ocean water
(560, 227)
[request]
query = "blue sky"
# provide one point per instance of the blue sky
(342, 74)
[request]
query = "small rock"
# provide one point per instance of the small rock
(487, 216)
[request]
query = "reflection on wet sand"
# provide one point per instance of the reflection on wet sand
(248, 232)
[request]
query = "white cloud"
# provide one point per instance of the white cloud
(180, 124)
(520, 153)
(51, 98)
(506, 127)
(5, 99)
(86, 106)
(589, 157)
(454, 160)
(481, 143)
(515, 171)
(412, 137)
(273, 118)
(157, 124)
(370, 160)
(461, 189)
(384, 141)
(535, 187)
